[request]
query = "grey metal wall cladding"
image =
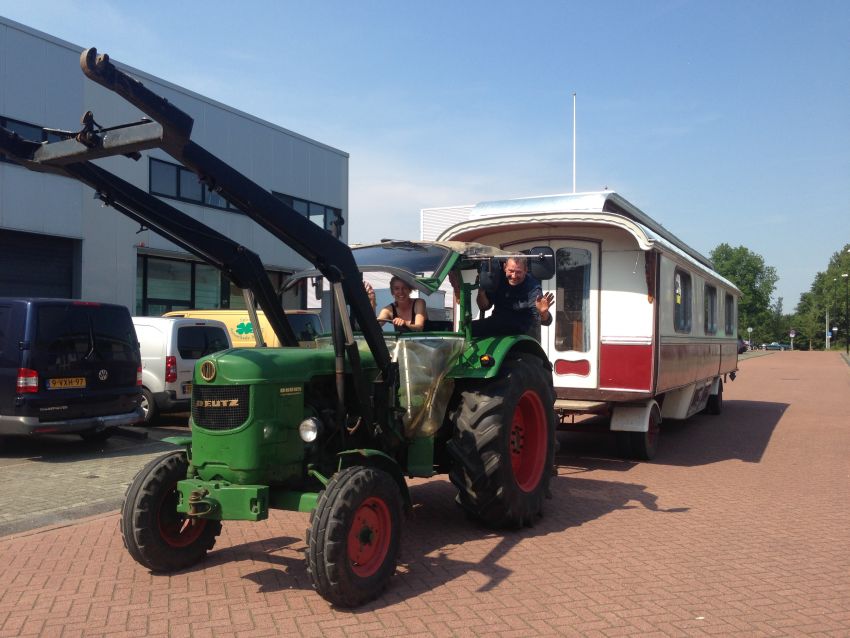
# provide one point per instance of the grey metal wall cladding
(35, 265)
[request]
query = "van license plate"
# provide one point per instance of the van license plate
(67, 382)
(187, 388)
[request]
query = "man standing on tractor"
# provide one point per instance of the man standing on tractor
(517, 300)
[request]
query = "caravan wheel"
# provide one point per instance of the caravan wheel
(641, 445)
(715, 401)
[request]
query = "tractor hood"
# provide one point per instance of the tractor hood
(270, 365)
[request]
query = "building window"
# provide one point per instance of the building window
(730, 314)
(327, 217)
(178, 182)
(190, 187)
(682, 301)
(27, 131)
(164, 284)
(293, 299)
(168, 285)
(207, 282)
(318, 215)
(163, 178)
(710, 303)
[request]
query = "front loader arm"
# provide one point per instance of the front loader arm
(242, 266)
(330, 255)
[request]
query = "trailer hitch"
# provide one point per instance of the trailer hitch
(200, 505)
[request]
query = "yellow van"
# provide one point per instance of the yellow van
(306, 324)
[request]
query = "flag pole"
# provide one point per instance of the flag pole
(574, 142)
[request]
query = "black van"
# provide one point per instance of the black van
(67, 366)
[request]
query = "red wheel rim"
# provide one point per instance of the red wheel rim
(528, 441)
(176, 529)
(369, 537)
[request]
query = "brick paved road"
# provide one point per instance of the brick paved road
(739, 528)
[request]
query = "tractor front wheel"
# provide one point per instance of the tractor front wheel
(354, 536)
(155, 534)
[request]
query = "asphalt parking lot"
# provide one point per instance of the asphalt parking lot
(739, 527)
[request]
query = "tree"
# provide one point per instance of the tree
(756, 281)
(826, 297)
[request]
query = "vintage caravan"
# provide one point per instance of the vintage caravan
(644, 328)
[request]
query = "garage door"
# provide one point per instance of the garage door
(36, 265)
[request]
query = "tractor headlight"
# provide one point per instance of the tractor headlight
(309, 429)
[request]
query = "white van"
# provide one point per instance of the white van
(169, 347)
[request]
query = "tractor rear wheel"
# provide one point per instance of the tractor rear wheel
(155, 534)
(354, 536)
(504, 444)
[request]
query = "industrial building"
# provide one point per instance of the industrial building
(56, 240)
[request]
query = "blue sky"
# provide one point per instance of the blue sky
(726, 121)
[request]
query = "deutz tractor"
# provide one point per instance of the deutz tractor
(331, 429)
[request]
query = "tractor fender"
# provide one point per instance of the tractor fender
(182, 441)
(483, 358)
(379, 460)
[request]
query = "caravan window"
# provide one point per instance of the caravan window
(730, 314)
(682, 293)
(710, 303)
(572, 301)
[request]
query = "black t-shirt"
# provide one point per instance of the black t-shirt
(516, 305)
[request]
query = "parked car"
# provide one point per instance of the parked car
(67, 366)
(170, 346)
(307, 325)
(742, 345)
(775, 345)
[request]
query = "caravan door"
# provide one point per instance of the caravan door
(572, 340)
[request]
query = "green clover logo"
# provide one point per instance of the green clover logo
(244, 328)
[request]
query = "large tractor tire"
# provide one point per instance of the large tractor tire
(354, 536)
(154, 533)
(504, 444)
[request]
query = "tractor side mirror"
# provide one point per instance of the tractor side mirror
(490, 275)
(541, 262)
(318, 286)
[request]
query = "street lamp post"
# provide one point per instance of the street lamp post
(846, 278)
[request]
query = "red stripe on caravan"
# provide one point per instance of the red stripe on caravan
(625, 366)
(580, 367)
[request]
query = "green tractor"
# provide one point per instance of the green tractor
(332, 429)
(281, 428)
